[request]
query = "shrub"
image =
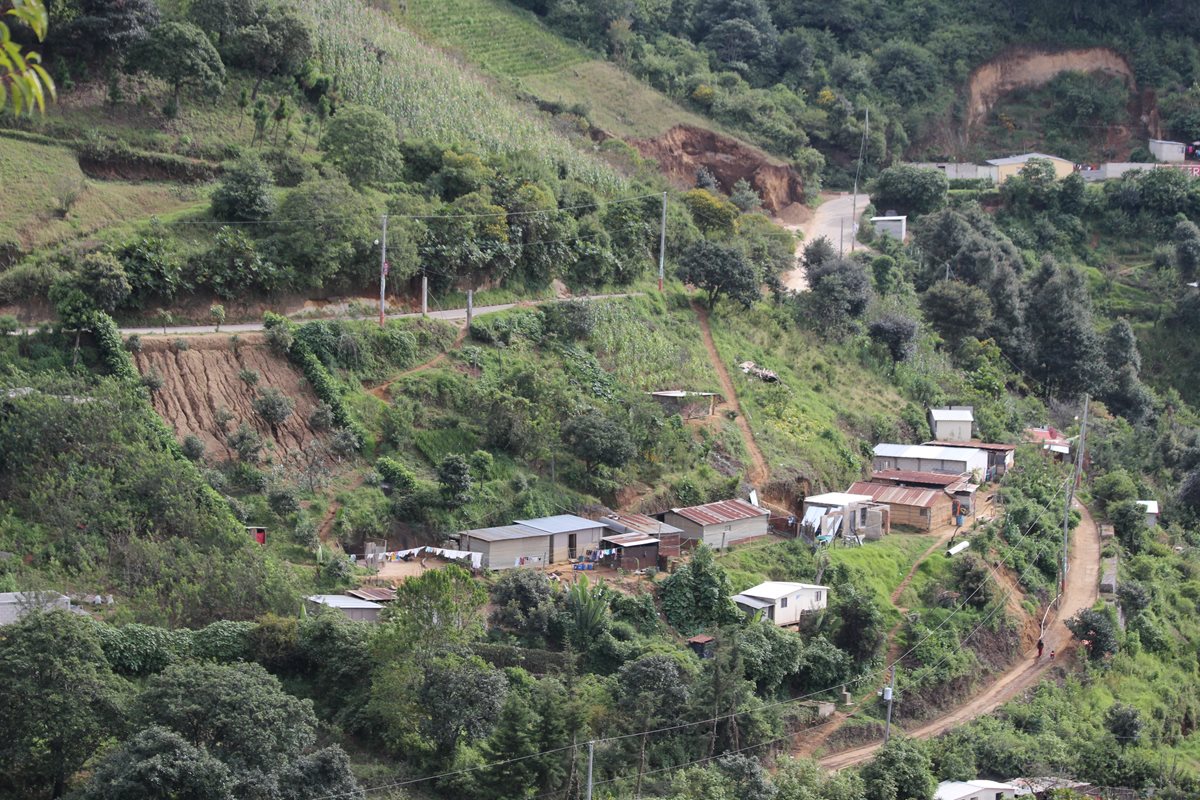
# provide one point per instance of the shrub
(193, 447)
(244, 194)
(400, 477)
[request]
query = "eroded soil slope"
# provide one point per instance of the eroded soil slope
(685, 148)
(204, 378)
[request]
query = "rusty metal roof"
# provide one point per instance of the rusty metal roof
(639, 522)
(978, 445)
(912, 476)
(900, 495)
(721, 512)
(375, 594)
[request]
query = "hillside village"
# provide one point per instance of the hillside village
(524, 399)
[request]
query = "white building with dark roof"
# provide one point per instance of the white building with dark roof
(783, 602)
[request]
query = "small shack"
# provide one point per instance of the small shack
(893, 226)
(1151, 507)
(782, 602)
(533, 542)
(927, 458)
(689, 405)
(720, 524)
(952, 424)
(14, 605)
(629, 551)
(374, 594)
(1012, 165)
(826, 515)
(975, 790)
(1001, 457)
(901, 477)
(702, 645)
(914, 507)
(625, 522)
(354, 608)
(258, 533)
(1052, 441)
(1167, 151)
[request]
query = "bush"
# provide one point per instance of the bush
(193, 447)
(244, 194)
(400, 477)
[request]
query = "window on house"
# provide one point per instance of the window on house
(818, 596)
(783, 602)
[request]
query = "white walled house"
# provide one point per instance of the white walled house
(975, 790)
(893, 226)
(1167, 151)
(952, 424)
(354, 608)
(782, 602)
(931, 458)
(1151, 508)
(720, 524)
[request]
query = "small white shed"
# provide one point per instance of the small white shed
(354, 608)
(1151, 507)
(895, 227)
(1167, 151)
(975, 790)
(14, 605)
(952, 424)
(782, 602)
(931, 458)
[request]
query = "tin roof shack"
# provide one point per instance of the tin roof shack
(668, 535)
(914, 507)
(781, 602)
(927, 458)
(689, 405)
(1001, 457)
(902, 477)
(952, 424)
(720, 524)
(1052, 441)
(975, 790)
(353, 608)
(14, 605)
(375, 594)
(533, 542)
(825, 516)
(630, 551)
(1151, 507)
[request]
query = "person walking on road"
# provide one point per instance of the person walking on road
(1041, 646)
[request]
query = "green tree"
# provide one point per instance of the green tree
(158, 764)
(1129, 524)
(510, 749)
(26, 83)
(102, 278)
(712, 214)
(326, 232)
(1113, 488)
(698, 595)
(454, 477)
(217, 312)
(910, 190)
(899, 771)
(182, 55)
(719, 269)
(439, 607)
(193, 447)
(744, 196)
(862, 630)
(896, 332)
(222, 18)
(957, 311)
(597, 440)
(362, 143)
(1186, 237)
(274, 407)
(244, 193)
(1098, 629)
(841, 292)
(62, 701)
(1125, 723)
(399, 477)
(277, 42)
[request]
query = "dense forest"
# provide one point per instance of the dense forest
(234, 161)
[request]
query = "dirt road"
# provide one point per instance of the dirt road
(833, 219)
(1082, 591)
(757, 474)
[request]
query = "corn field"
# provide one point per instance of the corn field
(379, 64)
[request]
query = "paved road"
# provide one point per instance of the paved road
(450, 315)
(1082, 590)
(833, 219)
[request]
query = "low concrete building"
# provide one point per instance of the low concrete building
(1167, 151)
(957, 170)
(782, 602)
(914, 507)
(1001, 457)
(533, 542)
(689, 405)
(894, 226)
(826, 516)
(1151, 507)
(928, 458)
(1011, 165)
(952, 424)
(720, 524)
(14, 605)
(354, 608)
(975, 790)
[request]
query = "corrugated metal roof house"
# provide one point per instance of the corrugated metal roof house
(928, 458)
(720, 524)
(14, 605)
(354, 608)
(782, 602)
(533, 542)
(915, 506)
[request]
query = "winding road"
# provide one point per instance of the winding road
(1081, 592)
(833, 219)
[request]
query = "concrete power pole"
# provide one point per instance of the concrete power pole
(862, 151)
(470, 306)
(1075, 475)
(888, 693)
(662, 243)
(424, 294)
(591, 756)
(383, 272)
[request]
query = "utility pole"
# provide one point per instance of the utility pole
(888, 693)
(470, 306)
(1075, 475)
(662, 242)
(424, 294)
(841, 237)
(383, 272)
(591, 755)
(862, 151)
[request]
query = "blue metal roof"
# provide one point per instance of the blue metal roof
(561, 523)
